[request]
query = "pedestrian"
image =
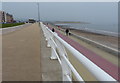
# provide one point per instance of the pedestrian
(67, 32)
(59, 27)
(53, 30)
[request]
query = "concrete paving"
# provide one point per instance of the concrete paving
(25, 56)
(21, 55)
(51, 69)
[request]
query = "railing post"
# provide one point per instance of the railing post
(53, 54)
(48, 36)
(48, 43)
(66, 71)
(45, 32)
(53, 48)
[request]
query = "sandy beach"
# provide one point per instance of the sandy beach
(110, 41)
(103, 39)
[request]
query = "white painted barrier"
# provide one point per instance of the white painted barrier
(58, 46)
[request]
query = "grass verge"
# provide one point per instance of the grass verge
(10, 25)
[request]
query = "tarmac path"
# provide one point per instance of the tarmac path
(21, 54)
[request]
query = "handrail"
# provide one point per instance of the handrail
(100, 74)
(78, 77)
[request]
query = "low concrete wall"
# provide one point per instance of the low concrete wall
(11, 29)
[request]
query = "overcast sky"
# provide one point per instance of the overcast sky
(93, 12)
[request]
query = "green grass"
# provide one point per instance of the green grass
(10, 25)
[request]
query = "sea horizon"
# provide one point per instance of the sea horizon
(106, 29)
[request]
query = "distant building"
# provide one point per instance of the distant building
(5, 17)
(31, 21)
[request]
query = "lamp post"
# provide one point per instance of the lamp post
(38, 13)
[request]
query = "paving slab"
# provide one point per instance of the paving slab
(21, 55)
(26, 57)
(51, 69)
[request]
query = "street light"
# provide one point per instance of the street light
(38, 13)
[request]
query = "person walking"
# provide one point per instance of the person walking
(53, 30)
(67, 32)
(59, 27)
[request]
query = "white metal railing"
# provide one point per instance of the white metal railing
(58, 51)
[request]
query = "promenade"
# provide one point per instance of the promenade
(26, 57)
(21, 56)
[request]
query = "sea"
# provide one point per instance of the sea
(106, 29)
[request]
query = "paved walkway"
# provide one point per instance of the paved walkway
(51, 69)
(21, 55)
(26, 56)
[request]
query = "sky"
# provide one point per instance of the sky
(92, 12)
(60, 0)
(0, 6)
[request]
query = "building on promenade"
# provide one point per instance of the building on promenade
(5, 17)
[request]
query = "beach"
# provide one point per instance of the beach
(110, 41)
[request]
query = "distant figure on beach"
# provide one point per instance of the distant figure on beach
(53, 30)
(59, 27)
(67, 32)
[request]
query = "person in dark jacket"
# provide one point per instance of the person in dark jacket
(53, 30)
(67, 32)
